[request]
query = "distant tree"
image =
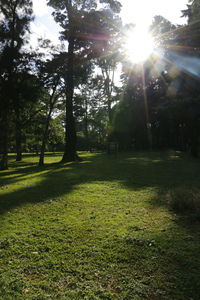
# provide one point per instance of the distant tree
(27, 94)
(172, 92)
(91, 112)
(51, 75)
(56, 137)
(109, 57)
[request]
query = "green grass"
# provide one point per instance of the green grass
(100, 229)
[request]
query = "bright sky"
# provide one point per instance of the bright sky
(139, 12)
(44, 25)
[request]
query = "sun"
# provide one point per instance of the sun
(139, 44)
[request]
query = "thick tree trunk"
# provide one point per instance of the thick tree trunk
(70, 139)
(8, 90)
(4, 162)
(70, 128)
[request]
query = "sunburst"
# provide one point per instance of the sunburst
(139, 44)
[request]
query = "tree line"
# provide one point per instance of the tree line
(64, 98)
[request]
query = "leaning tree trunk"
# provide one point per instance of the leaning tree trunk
(70, 129)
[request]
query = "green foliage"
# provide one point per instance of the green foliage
(56, 133)
(161, 99)
(14, 26)
(192, 11)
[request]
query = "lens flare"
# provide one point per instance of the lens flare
(139, 45)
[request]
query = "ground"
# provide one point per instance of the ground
(102, 228)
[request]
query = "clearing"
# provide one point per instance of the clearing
(99, 229)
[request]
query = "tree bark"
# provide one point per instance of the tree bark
(70, 128)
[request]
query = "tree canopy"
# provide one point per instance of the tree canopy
(72, 92)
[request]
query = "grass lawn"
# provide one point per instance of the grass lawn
(99, 229)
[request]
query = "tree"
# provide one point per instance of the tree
(14, 24)
(74, 17)
(51, 74)
(109, 56)
(192, 12)
(91, 112)
(27, 90)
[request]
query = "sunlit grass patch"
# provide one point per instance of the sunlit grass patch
(99, 229)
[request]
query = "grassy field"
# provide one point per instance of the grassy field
(104, 228)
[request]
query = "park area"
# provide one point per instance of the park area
(109, 227)
(99, 150)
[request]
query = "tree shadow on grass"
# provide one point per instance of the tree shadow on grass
(134, 171)
(178, 251)
(161, 265)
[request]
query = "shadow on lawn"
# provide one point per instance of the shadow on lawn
(176, 260)
(135, 172)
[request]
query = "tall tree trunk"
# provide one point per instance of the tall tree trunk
(18, 144)
(146, 109)
(70, 129)
(7, 96)
(108, 94)
(18, 133)
(109, 84)
(4, 158)
(86, 124)
(109, 108)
